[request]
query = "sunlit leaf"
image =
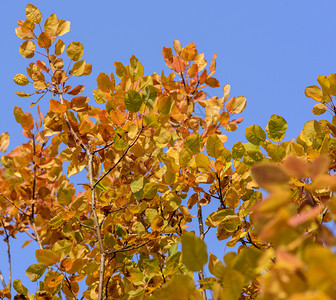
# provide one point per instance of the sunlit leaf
(27, 49)
(133, 101)
(255, 134)
(276, 128)
(35, 271)
(75, 51)
(194, 251)
(4, 141)
(19, 287)
(59, 47)
(46, 257)
(33, 13)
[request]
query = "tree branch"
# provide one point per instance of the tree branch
(119, 160)
(9, 256)
(127, 248)
(201, 230)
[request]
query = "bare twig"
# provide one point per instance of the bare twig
(8, 255)
(97, 227)
(103, 148)
(201, 230)
(2, 280)
(127, 248)
(119, 160)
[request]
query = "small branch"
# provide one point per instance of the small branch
(2, 280)
(119, 160)
(89, 156)
(103, 148)
(251, 242)
(220, 191)
(9, 256)
(127, 248)
(84, 225)
(201, 230)
(11, 202)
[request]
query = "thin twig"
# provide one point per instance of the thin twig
(2, 280)
(11, 202)
(9, 256)
(201, 230)
(103, 148)
(84, 225)
(119, 160)
(127, 248)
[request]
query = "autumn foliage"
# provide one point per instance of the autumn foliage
(149, 158)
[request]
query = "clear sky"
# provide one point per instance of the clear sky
(268, 50)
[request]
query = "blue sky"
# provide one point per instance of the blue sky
(268, 51)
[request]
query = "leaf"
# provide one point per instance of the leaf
(62, 248)
(276, 128)
(133, 101)
(57, 107)
(21, 79)
(27, 49)
(35, 271)
(149, 95)
(117, 117)
(64, 197)
(75, 51)
(77, 90)
(202, 162)
(212, 82)
(314, 92)
(44, 40)
(214, 146)
(193, 143)
(63, 27)
(161, 137)
(232, 197)
(99, 96)
(319, 109)
(312, 129)
(267, 174)
(50, 25)
(103, 82)
(194, 251)
(46, 257)
(59, 47)
(78, 68)
(185, 157)
(33, 13)
(255, 135)
(27, 121)
(236, 104)
(19, 287)
(4, 141)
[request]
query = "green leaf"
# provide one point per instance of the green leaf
(64, 197)
(19, 287)
(193, 143)
(46, 257)
(255, 135)
(149, 95)
(214, 146)
(276, 128)
(57, 221)
(21, 79)
(121, 231)
(75, 51)
(109, 240)
(238, 150)
(35, 271)
(133, 101)
(194, 251)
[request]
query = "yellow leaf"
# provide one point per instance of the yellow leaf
(75, 51)
(4, 141)
(21, 79)
(44, 40)
(33, 13)
(27, 49)
(59, 47)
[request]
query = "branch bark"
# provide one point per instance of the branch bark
(201, 230)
